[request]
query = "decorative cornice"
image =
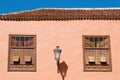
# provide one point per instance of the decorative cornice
(63, 14)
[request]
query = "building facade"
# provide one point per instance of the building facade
(89, 40)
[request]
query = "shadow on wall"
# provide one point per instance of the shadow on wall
(63, 69)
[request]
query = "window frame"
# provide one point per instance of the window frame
(9, 53)
(84, 53)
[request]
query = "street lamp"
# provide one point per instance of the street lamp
(57, 52)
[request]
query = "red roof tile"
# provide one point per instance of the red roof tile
(63, 14)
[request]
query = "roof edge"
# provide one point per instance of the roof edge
(50, 14)
(110, 8)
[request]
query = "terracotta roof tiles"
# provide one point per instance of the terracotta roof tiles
(63, 14)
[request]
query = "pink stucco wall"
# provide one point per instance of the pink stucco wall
(66, 34)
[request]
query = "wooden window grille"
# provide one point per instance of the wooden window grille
(22, 53)
(97, 55)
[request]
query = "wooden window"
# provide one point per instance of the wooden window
(22, 53)
(97, 56)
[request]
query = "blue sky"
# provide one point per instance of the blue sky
(7, 6)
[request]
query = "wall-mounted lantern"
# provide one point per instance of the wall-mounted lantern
(57, 52)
